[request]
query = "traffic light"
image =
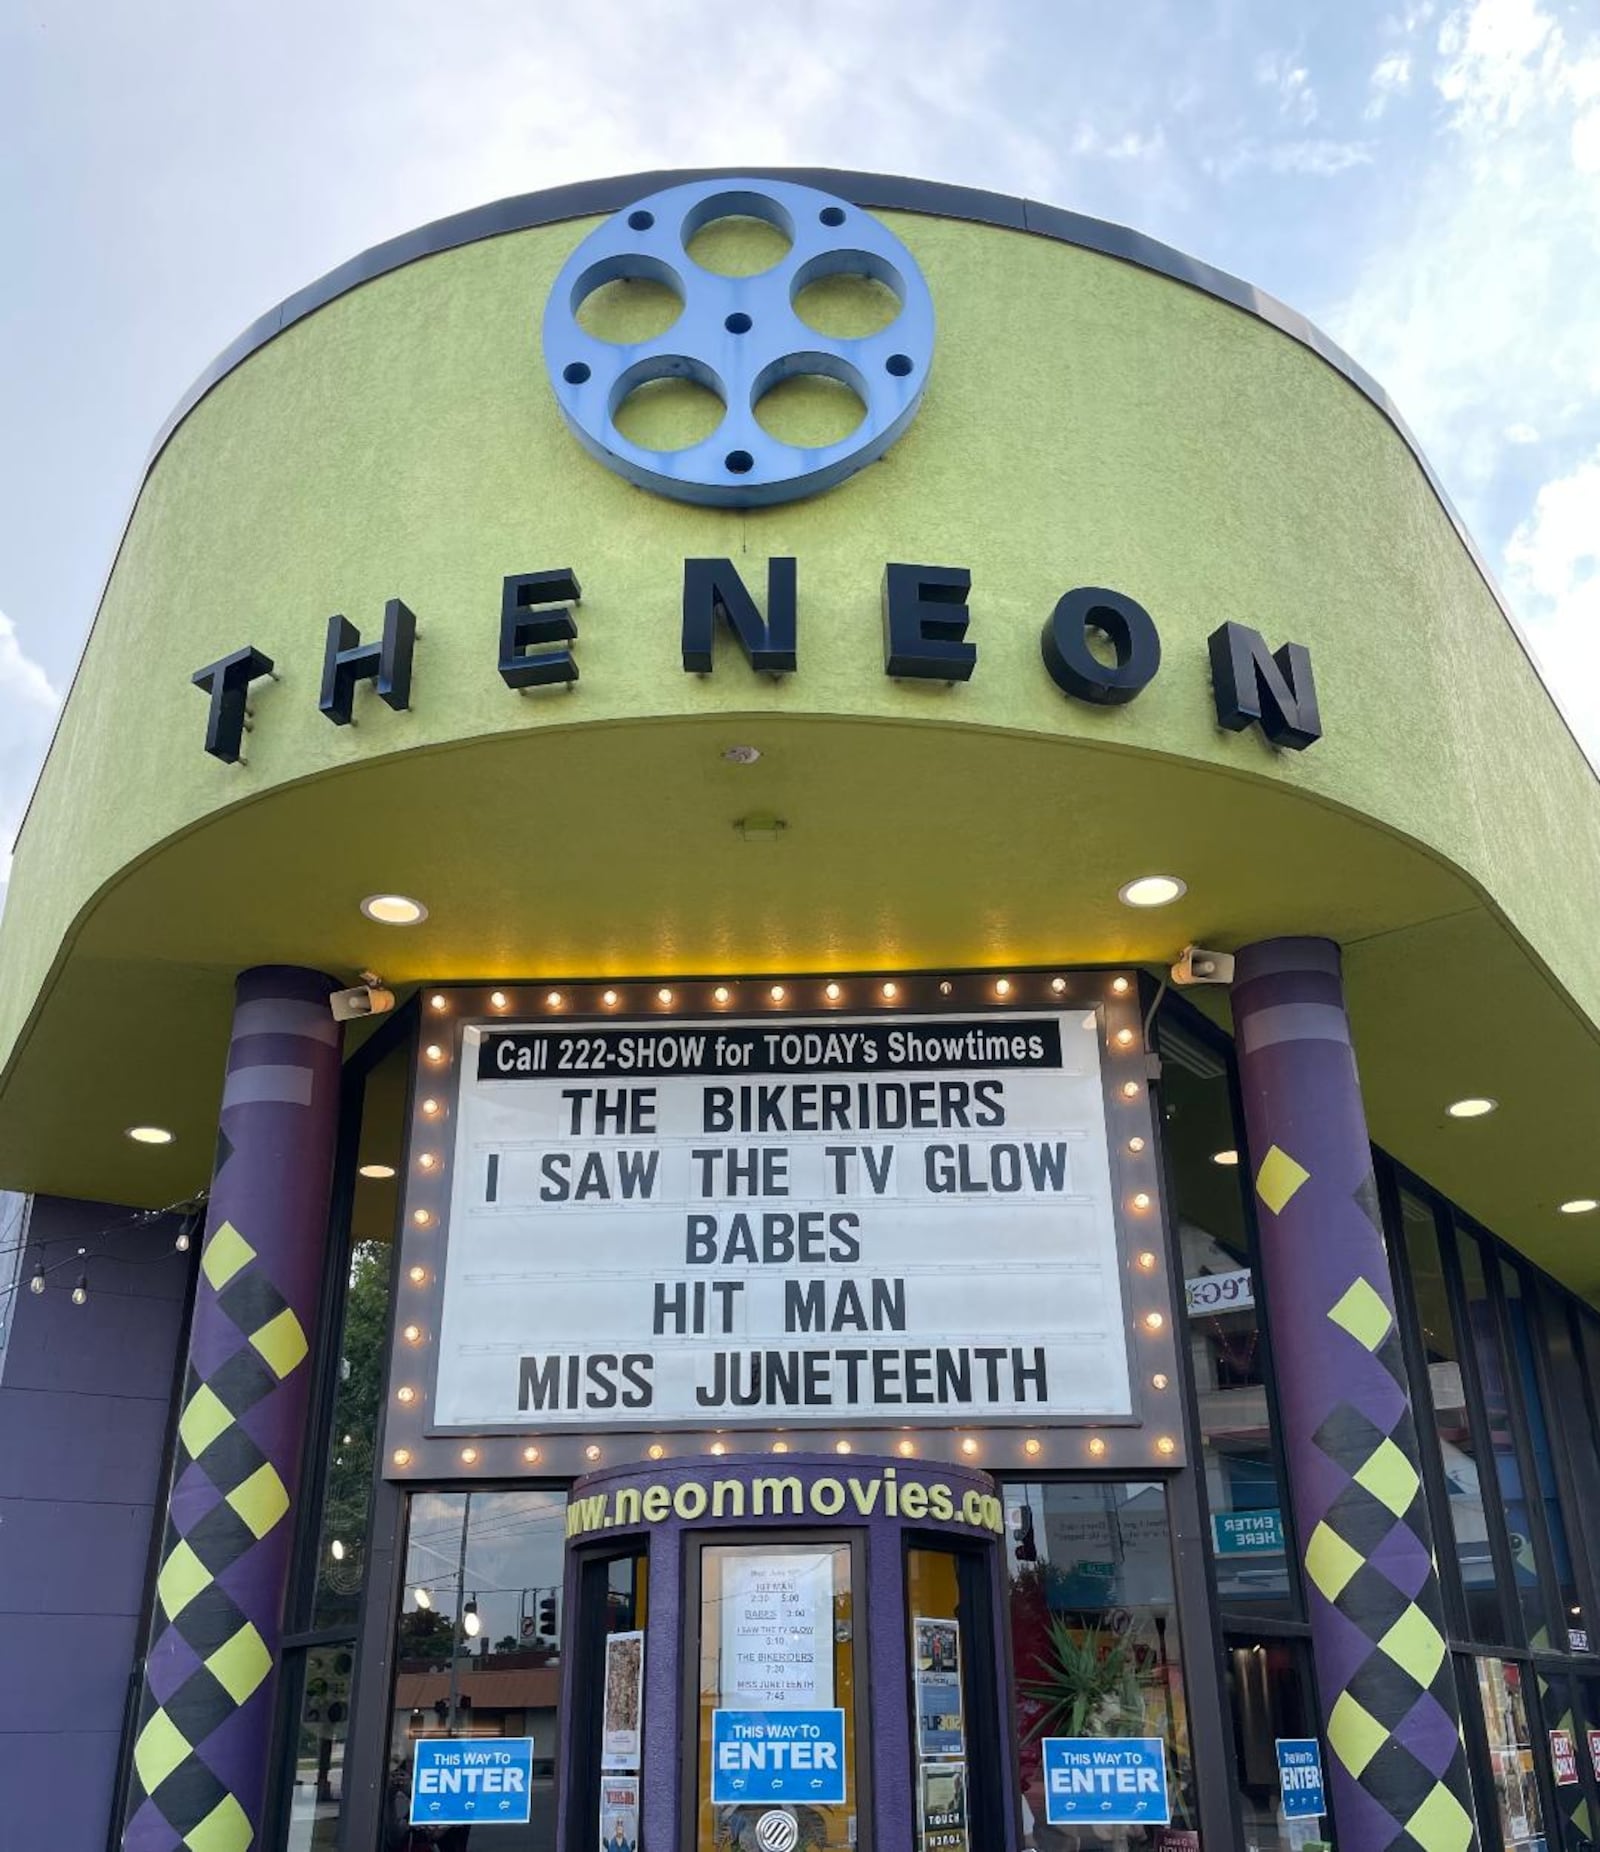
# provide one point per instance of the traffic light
(1020, 1518)
(547, 1615)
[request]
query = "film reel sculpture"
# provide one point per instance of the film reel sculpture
(739, 337)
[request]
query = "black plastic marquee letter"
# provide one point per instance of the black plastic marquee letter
(1255, 687)
(227, 681)
(925, 623)
(527, 622)
(1074, 667)
(712, 588)
(386, 664)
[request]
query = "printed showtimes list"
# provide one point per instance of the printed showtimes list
(737, 1222)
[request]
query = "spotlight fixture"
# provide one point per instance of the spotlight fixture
(394, 909)
(1152, 891)
(377, 1173)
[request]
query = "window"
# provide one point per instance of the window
(1270, 1694)
(475, 1654)
(1244, 1491)
(1513, 1781)
(1542, 1485)
(1094, 1635)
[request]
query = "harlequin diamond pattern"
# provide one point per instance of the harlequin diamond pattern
(203, 1622)
(1399, 1697)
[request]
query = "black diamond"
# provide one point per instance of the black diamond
(1349, 1438)
(1372, 1602)
(199, 1704)
(1393, 1358)
(1384, 1689)
(1404, 1435)
(1443, 1688)
(223, 1153)
(1405, 1843)
(1361, 1520)
(220, 1538)
(242, 1381)
(231, 1458)
(1397, 1780)
(251, 1300)
(1366, 1197)
(188, 1794)
(208, 1620)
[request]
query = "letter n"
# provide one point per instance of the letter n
(712, 589)
(1273, 691)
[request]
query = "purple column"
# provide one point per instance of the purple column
(1397, 1774)
(205, 1721)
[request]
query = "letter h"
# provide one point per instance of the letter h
(386, 664)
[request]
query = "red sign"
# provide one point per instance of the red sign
(1564, 1756)
(1594, 1752)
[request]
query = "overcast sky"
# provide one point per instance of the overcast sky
(1421, 178)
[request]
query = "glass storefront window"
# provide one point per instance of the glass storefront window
(1509, 1480)
(1094, 1639)
(475, 1652)
(317, 1794)
(1544, 1485)
(1270, 1694)
(777, 1632)
(1468, 1519)
(1249, 1534)
(1513, 1781)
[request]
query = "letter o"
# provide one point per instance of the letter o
(691, 1492)
(835, 1493)
(1074, 667)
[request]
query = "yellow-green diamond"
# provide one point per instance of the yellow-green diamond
(1354, 1734)
(1441, 1823)
(159, 1750)
(260, 1500)
(281, 1341)
(1390, 1477)
(1363, 1314)
(1330, 1561)
(241, 1663)
(202, 1420)
(226, 1252)
(1278, 1178)
(182, 1577)
(1416, 1644)
(225, 1829)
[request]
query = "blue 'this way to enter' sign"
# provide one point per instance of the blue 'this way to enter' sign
(777, 1756)
(457, 1780)
(1113, 1781)
(1300, 1778)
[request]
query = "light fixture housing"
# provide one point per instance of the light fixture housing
(149, 1135)
(394, 910)
(1152, 891)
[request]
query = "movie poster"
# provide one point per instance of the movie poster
(944, 1807)
(619, 1813)
(936, 1650)
(624, 1700)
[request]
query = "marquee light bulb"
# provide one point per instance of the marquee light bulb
(421, 1217)
(417, 1275)
(839, 1446)
(1119, 987)
(720, 994)
(1147, 1261)
(1141, 1199)
(552, 1000)
(430, 1109)
(1032, 1447)
(437, 1001)
(890, 992)
(1058, 985)
(1097, 1446)
(497, 999)
(1159, 1380)
(780, 1446)
(435, 1052)
(1002, 987)
(968, 1445)
(664, 996)
(1130, 1089)
(609, 999)
(1136, 1145)
(412, 1334)
(401, 1456)
(1166, 1444)
(405, 1394)
(591, 1452)
(946, 988)
(832, 992)
(655, 1450)
(906, 1449)
(718, 1449)
(427, 1161)
(1124, 1038)
(531, 1455)
(469, 1456)
(1153, 1321)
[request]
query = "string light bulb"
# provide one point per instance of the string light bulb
(80, 1292)
(182, 1241)
(471, 1624)
(36, 1282)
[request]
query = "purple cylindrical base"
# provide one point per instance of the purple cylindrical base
(205, 1720)
(1384, 1678)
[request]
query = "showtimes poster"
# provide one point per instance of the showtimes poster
(777, 1630)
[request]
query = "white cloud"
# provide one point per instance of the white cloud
(1279, 72)
(1553, 573)
(1391, 77)
(28, 704)
(1316, 157)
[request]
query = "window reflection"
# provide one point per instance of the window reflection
(318, 1791)
(1468, 1520)
(1095, 1639)
(1511, 1773)
(478, 1641)
(1243, 1491)
(1544, 1471)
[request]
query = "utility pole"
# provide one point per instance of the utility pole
(455, 1636)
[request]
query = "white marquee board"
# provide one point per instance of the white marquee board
(748, 1221)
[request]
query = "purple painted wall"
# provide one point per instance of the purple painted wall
(85, 1399)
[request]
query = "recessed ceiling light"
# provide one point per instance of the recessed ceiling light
(1224, 1157)
(1470, 1109)
(1580, 1205)
(149, 1134)
(1152, 891)
(378, 1172)
(394, 909)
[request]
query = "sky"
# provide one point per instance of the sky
(1420, 178)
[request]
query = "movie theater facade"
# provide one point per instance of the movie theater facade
(801, 1044)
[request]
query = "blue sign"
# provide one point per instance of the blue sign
(759, 1756)
(460, 1780)
(1300, 1778)
(1110, 1780)
(1247, 1533)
